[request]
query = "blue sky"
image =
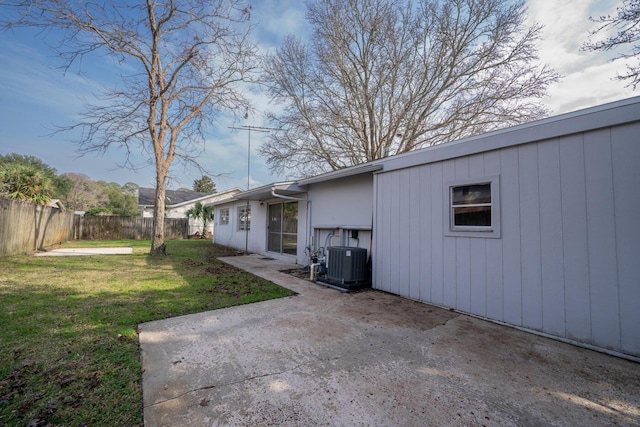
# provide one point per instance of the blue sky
(35, 95)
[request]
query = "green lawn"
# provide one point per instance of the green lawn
(69, 351)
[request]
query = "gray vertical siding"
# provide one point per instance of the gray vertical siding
(568, 259)
(626, 180)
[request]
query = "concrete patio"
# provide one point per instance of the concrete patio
(86, 251)
(370, 359)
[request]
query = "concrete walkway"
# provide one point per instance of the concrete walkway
(86, 251)
(325, 358)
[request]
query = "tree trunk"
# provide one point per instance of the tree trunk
(167, 104)
(157, 242)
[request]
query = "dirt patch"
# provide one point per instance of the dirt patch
(221, 268)
(218, 251)
(300, 273)
(372, 306)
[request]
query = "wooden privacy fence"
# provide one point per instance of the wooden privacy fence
(25, 227)
(127, 227)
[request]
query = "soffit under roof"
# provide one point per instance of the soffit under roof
(265, 192)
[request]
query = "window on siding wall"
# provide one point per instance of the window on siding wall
(224, 216)
(471, 205)
(473, 208)
(244, 218)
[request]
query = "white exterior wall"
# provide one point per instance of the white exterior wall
(180, 210)
(337, 206)
(230, 235)
(567, 262)
(303, 238)
(340, 206)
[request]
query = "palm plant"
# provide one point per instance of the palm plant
(25, 183)
(203, 213)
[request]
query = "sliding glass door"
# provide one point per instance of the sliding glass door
(283, 228)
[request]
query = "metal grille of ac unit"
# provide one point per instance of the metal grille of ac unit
(347, 265)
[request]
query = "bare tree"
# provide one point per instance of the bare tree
(182, 62)
(83, 193)
(385, 77)
(622, 31)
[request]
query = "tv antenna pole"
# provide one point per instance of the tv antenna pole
(247, 217)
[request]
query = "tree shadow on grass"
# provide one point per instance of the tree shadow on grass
(69, 348)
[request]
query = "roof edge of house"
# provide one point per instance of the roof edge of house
(370, 167)
(583, 120)
(598, 117)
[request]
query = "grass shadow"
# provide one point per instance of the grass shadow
(68, 326)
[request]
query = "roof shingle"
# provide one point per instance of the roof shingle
(147, 196)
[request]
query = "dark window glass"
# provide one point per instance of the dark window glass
(471, 205)
(244, 218)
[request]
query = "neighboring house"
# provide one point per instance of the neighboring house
(534, 226)
(179, 202)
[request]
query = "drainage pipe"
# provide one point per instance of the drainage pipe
(325, 254)
(330, 235)
(282, 196)
(312, 269)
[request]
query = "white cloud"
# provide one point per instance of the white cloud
(32, 92)
(587, 76)
(277, 19)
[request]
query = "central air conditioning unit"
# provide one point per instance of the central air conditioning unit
(347, 267)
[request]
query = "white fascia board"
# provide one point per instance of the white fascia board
(188, 202)
(264, 192)
(208, 196)
(344, 173)
(224, 201)
(224, 196)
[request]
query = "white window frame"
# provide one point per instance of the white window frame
(241, 224)
(492, 231)
(224, 216)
